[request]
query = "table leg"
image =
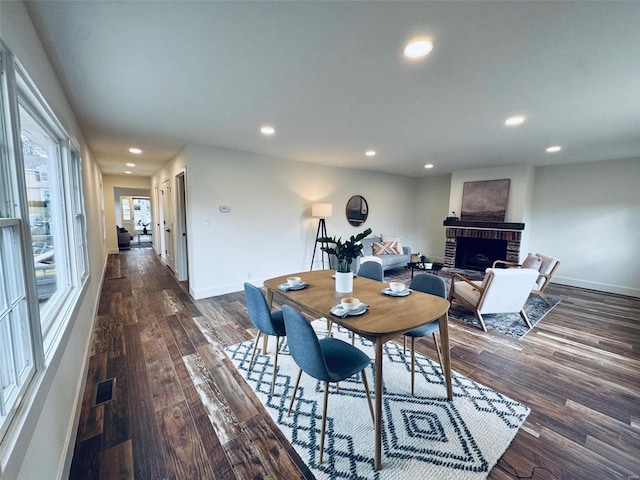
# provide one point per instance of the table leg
(269, 297)
(446, 354)
(378, 408)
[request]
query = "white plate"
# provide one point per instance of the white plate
(391, 293)
(339, 311)
(285, 286)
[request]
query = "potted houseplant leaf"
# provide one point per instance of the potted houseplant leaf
(345, 252)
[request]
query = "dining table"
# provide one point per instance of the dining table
(386, 318)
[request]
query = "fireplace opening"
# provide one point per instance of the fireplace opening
(479, 253)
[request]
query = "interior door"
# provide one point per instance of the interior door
(167, 225)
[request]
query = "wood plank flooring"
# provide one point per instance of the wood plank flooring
(578, 370)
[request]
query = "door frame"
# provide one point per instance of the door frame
(181, 248)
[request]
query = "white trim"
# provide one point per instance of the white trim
(601, 287)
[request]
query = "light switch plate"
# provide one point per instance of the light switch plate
(225, 208)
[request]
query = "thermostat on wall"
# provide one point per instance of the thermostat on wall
(225, 208)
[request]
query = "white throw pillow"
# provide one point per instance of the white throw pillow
(393, 238)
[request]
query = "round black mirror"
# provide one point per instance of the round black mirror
(357, 210)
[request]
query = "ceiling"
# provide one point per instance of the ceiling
(332, 80)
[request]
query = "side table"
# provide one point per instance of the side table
(422, 266)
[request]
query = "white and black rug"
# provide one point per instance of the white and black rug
(510, 324)
(424, 437)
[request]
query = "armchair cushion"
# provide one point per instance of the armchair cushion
(546, 267)
(507, 290)
(532, 261)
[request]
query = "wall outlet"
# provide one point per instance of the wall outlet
(249, 274)
(205, 221)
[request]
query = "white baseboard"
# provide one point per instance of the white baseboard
(601, 287)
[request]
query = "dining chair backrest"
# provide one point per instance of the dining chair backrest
(259, 312)
(304, 345)
(372, 270)
(428, 283)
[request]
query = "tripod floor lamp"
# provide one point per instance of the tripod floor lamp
(321, 211)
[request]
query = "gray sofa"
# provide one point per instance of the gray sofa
(124, 238)
(389, 262)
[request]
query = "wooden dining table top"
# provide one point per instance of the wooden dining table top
(387, 316)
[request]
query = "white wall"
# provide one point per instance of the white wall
(269, 230)
(588, 215)
(431, 208)
(45, 444)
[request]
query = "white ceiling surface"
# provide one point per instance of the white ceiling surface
(331, 78)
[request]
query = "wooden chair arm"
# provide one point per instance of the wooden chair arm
(464, 279)
(506, 263)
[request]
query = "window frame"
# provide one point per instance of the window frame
(17, 90)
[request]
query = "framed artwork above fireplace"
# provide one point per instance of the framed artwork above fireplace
(485, 201)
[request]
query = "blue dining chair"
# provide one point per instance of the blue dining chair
(426, 283)
(372, 270)
(267, 323)
(327, 360)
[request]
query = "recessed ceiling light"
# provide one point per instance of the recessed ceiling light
(135, 150)
(130, 164)
(514, 121)
(418, 48)
(370, 153)
(128, 172)
(429, 165)
(267, 130)
(554, 149)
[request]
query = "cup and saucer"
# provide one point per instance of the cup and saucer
(396, 289)
(293, 283)
(349, 306)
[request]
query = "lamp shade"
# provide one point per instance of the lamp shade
(322, 210)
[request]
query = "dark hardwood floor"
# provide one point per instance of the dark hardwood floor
(578, 370)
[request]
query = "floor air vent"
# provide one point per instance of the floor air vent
(104, 392)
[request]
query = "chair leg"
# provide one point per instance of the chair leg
(404, 345)
(353, 339)
(275, 366)
(435, 340)
(366, 389)
(544, 297)
(329, 326)
(324, 418)
(255, 346)
(524, 316)
(481, 320)
(413, 363)
(295, 390)
(265, 344)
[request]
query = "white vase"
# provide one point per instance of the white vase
(344, 282)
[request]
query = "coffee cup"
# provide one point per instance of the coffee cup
(350, 303)
(397, 287)
(294, 281)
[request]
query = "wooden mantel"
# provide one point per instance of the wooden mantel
(478, 224)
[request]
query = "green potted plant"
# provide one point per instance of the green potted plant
(428, 263)
(345, 252)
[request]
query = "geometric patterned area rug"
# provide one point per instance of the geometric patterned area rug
(424, 437)
(510, 324)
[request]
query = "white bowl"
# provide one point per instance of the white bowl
(350, 303)
(397, 287)
(293, 281)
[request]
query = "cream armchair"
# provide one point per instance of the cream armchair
(546, 267)
(501, 291)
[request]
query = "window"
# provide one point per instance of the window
(43, 240)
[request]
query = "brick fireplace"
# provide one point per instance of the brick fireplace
(475, 245)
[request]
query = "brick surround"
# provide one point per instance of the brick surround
(512, 237)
